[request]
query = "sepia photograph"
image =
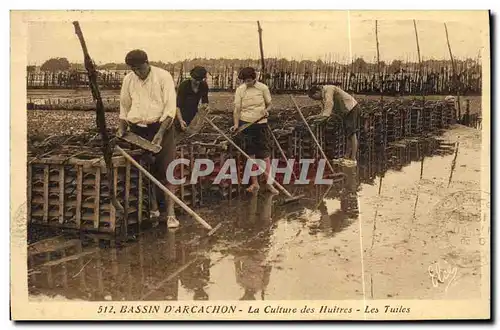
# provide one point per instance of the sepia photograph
(250, 165)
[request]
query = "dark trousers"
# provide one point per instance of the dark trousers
(351, 121)
(167, 153)
(257, 140)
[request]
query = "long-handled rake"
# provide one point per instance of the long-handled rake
(312, 134)
(289, 198)
(281, 150)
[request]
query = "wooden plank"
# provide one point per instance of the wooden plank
(61, 195)
(79, 190)
(141, 142)
(193, 187)
(127, 194)
(87, 163)
(69, 258)
(182, 175)
(46, 193)
(51, 245)
(29, 192)
(112, 215)
(140, 201)
(97, 197)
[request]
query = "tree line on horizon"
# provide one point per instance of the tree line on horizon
(272, 64)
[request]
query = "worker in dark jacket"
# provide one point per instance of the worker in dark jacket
(189, 95)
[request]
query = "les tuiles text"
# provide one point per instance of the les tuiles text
(233, 309)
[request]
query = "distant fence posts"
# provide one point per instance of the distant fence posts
(409, 79)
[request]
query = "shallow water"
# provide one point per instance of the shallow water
(378, 235)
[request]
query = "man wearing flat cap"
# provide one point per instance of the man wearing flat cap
(148, 109)
(189, 94)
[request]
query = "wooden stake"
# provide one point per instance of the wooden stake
(261, 47)
(97, 194)
(61, 194)
(46, 193)
(79, 193)
(378, 62)
(454, 70)
(419, 64)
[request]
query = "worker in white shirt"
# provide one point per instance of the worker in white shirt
(337, 102)
(148, 109)
(252, 101)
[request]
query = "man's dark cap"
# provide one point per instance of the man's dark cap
(136, 57)
(198, 73)
(313, 90)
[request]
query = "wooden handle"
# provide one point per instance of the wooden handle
(244, 127)
(280, 187)
(164, 189)
(312, 135)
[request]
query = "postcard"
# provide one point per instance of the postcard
(250, 165)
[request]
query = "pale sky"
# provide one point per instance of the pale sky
(298, 36)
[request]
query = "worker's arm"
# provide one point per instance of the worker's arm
(328, 96)
(204, 93)
(181, 96)
(170, 107)
(179, 115)
(237, 109)
(125, 105)
(267, 100)
(204, 96)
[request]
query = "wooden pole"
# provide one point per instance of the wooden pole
(454, 70)
(378, 62)
(100, 114)
(419, 64)
(164, 189)
(281, 151)
(261, 47)
(312, 134)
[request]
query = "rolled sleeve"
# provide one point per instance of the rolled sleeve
(267, 96)
(125, 99)
(169, 97)
(328, 95)
(237, 100)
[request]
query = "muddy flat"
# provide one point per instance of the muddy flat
(406, 224)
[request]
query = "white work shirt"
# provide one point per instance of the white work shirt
(251, 102)
(335, 98)
(148, 101)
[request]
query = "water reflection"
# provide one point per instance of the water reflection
(250, 265)
(345, 206)
(164, 264)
